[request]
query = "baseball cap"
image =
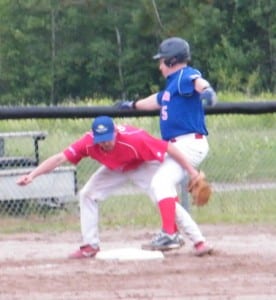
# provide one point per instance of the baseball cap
(103, 129)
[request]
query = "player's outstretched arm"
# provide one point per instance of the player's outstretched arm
(46, 166)
(148, 103)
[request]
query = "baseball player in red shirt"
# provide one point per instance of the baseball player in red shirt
(126, 154)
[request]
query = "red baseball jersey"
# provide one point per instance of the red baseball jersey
(133, 146)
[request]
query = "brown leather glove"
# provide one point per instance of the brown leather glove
(200, 190)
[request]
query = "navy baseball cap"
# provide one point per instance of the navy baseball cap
(103, 129)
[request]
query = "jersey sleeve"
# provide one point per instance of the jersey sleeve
(186, 79)
(159, 97)
(78, 150)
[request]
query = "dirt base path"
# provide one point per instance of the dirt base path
(35, 266)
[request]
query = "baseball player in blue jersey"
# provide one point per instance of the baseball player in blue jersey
(181, 105)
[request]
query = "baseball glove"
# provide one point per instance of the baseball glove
(200, 190)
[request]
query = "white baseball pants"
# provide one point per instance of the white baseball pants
(170, 173)
(104, 183)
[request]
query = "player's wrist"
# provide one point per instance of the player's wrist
(125, 104)
(134, 104)
(208, 96)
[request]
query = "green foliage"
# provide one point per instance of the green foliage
(54, 51)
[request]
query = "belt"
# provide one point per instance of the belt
(197, 136)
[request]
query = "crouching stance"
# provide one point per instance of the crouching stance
(126, 154)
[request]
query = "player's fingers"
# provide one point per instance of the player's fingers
(195, 180)
(23, 180)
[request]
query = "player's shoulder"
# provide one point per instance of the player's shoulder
(87, 138)
(188, 70)
(88, 135)
(128, 130)
(129, 133)
(190, 74)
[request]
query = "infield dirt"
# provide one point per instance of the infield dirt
(243, 266)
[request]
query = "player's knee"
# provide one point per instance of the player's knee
(161, 188)
(87, 196)
(84, 195)
(155, 185)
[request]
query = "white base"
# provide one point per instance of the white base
(124, 254)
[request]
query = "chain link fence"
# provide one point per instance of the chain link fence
(241, 166)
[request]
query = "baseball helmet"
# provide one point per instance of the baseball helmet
(174, 50)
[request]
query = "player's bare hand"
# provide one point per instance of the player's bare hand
(24, 180)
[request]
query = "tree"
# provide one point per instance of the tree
(69, 49)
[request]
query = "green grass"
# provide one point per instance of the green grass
(240, 97)
(242, 150)
(58, 222)
(238, 207)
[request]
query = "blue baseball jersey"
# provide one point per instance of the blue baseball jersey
(181, 110)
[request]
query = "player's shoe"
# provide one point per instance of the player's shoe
(180, 239)
(164, 242)
(85, 251)
(201, 249)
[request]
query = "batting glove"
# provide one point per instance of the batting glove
(124, 104)
(208, 96)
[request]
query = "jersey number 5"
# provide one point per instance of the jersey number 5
(164, 112)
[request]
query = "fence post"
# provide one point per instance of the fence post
(184, 195)
(2, 147)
